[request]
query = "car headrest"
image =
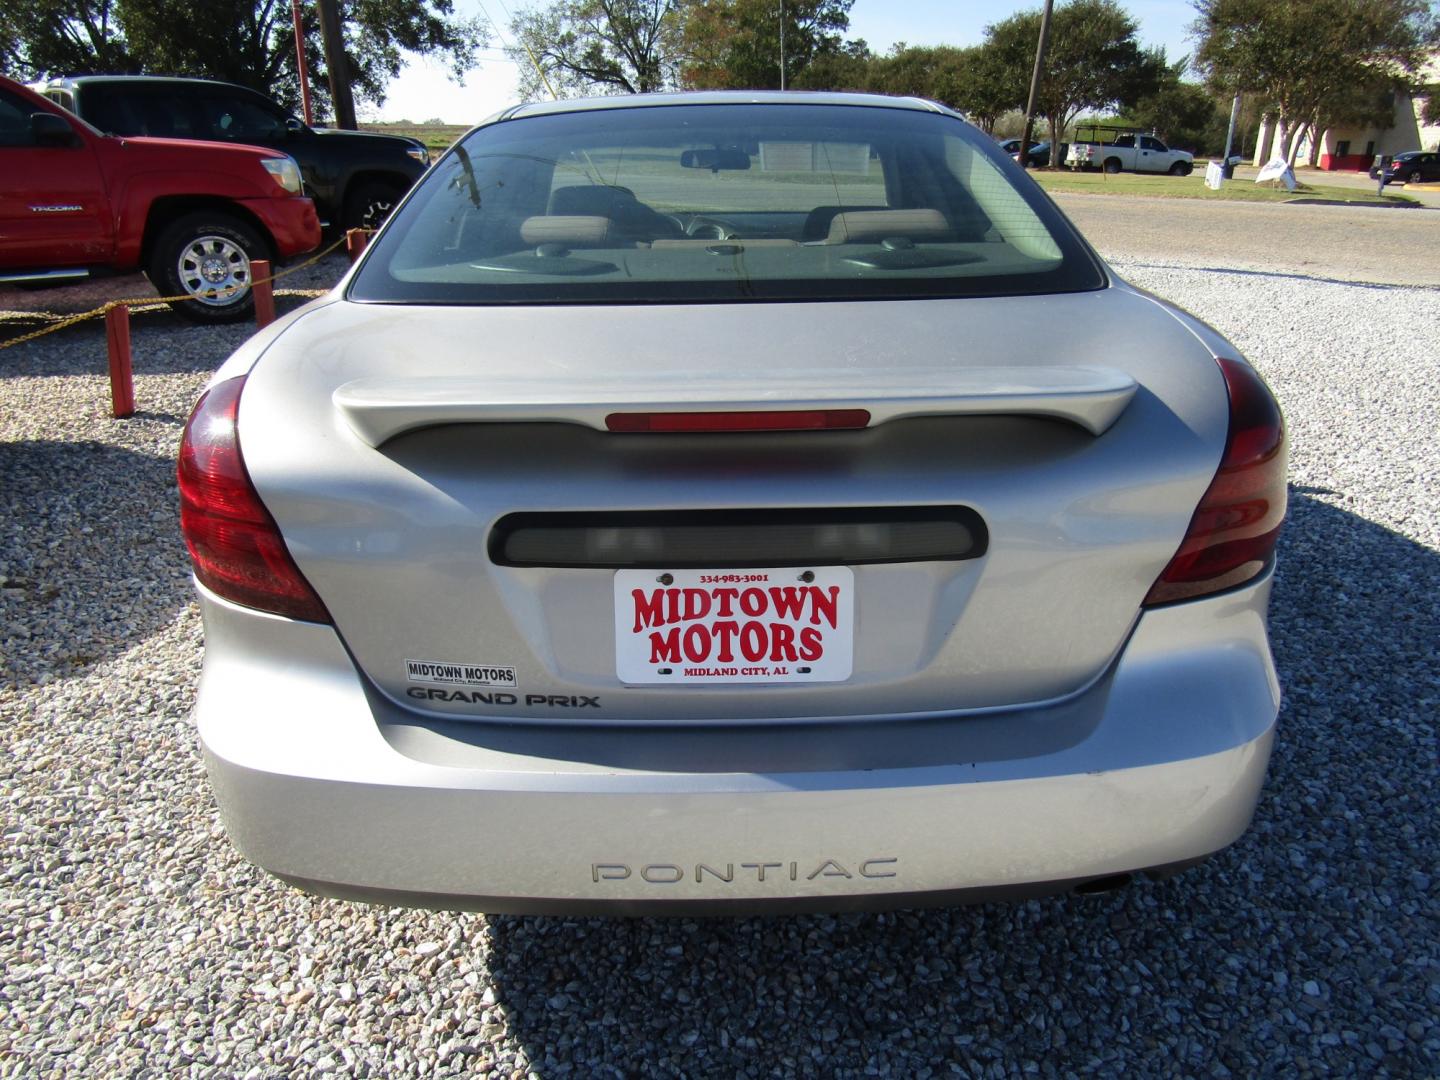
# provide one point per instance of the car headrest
(572, 230)
(869, 225)
(817, 222)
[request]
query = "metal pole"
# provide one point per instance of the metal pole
(1230, 131)
(1035, 88)
(782, 44)
(302, 68)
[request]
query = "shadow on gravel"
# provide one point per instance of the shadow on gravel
(162, 343)
(1309, 947)
(91, 560)
(1230, 271)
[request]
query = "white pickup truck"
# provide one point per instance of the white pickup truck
(1130, 153)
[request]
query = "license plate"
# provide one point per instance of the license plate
(702, 627)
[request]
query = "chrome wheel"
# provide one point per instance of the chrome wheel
(214, 269)
(376, 211)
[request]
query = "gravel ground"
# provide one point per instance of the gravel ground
(134, 941)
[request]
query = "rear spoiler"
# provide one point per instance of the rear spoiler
(1092, 398)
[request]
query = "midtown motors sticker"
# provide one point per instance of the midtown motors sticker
(788, 625)
(446, 673)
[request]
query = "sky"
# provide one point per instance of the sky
(424, 90)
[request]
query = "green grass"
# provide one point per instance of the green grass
(437, 137)
(1193, 187)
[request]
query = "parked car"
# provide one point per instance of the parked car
(1012, 147)
(683, 505)
(355, 178)
(1127, 151)
(75, 202)
(1413, 167)
(1039, 155)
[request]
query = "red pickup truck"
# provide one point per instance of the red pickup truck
(191, 215)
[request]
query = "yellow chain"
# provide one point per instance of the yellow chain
(62, 321)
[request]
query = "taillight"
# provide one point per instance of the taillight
(754, 420)
(1232, 536)
(234, 543)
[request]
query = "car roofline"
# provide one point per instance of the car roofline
(724, 97)
(71, 81)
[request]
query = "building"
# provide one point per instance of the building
(1355, 148)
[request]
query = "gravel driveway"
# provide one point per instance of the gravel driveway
(134, 942)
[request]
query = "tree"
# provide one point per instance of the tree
(986, 88)
(1093, 61)
(735, 44)
(1301, 53)
(250, 42)
(1181, 113)
(1361, 104)
(973, 81)
(64, 37)
(850, 67)
(598, 46)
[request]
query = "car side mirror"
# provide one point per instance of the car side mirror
(47, 129)
(294, 127)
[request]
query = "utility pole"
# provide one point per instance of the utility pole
(301, 68)
(782, 44)
(1035, 88)
(1230, 132)
(337, 64)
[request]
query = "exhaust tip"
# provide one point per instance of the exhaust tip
(1103, 885)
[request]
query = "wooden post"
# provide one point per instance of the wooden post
(301, 67)
(264, 294)
(122, 377)
(355, 240)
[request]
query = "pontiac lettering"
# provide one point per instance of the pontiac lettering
(794, 870)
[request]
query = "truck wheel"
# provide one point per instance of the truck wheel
(207, 255)
(1112, 165)
(1181, 168)
(370, 203)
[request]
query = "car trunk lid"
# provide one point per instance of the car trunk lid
(394, 444)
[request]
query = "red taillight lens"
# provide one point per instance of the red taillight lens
(1233, 533)
(234, 542)
(784, 420)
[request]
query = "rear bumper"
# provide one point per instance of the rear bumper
(292, 223)
(1160, 762)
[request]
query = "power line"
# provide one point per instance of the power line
(528, 52)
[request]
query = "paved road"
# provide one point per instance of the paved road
(1371, 244)
(1428, 193)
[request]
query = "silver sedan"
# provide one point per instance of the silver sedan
(732, 502)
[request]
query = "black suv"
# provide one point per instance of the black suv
(354, 177)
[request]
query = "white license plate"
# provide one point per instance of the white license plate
(702, 627)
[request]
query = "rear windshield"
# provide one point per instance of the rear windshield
(686, 203)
